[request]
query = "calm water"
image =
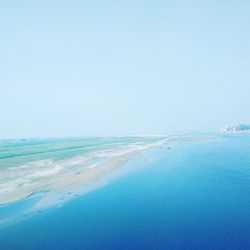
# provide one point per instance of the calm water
(193, 196)
(18, 152)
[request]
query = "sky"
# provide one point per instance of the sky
(87, 68)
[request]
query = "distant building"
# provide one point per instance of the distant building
(238, 129)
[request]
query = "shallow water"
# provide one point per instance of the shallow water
(31, 166)
(193, 196)
(18, 152)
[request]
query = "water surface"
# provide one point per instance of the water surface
(193, 196)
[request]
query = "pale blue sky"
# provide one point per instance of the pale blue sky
(75, 68)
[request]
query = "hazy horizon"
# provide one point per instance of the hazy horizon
(119, 68)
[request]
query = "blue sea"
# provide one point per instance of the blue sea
(195, 195)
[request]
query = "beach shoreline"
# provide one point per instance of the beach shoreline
(76, 176)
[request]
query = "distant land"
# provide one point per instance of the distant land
(237, 129)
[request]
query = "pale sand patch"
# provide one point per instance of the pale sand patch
(62, 180)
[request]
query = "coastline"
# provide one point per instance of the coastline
(69, 175)
(77, 176)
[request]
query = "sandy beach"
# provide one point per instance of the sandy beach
(65, 179)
